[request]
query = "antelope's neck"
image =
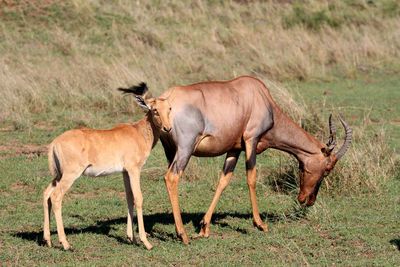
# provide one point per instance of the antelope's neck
(287, 136)
(149, 131)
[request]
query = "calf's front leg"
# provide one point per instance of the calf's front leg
(134, 179)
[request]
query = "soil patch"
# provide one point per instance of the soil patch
(17, 149)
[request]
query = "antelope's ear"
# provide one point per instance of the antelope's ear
(142, 102)
(326, 151)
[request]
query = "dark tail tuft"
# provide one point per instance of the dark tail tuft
(56, 167)
(140, 89)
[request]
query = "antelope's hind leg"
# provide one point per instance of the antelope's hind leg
(47, 209)
(129, 201)
(134, 180)
(56, 198)
(227, 171)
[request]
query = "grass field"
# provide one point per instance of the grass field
(62, 60)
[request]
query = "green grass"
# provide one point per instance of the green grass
(345, 228)
(370, 102)
(61, 61)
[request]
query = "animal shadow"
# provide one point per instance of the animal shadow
(396, 242)
(104, 227)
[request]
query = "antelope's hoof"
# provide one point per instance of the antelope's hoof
(69, 250)
(48, 243)
(149, 247)
(183, 238)
(204, 232)
(200, 235)
(261, 227)
(133, 241)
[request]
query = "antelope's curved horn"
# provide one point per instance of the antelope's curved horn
(332, 137)
(347, 140)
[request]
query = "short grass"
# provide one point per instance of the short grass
(60, 62)
(358, 227)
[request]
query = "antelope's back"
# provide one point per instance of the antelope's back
(221, 111)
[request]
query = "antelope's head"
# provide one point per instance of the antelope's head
(313, 169)
(159, 108)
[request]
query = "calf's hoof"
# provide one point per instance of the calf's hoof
(69, 250)
(48, 243)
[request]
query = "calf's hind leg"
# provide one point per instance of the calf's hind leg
(129, 200)
(134, 179)
(56, 197)
(47, 209)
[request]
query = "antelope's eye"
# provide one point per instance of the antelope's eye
(170, 108)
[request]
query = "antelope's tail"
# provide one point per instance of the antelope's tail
(54, 162)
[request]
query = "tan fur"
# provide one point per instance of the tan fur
(123, 148)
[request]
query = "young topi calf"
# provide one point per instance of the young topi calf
(123, 148)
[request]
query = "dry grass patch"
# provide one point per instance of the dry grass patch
(62, 56)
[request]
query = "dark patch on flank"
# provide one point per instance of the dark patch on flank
(230, 165)
(251, 162)
(180, 161)
(189, 123)
(267, 122)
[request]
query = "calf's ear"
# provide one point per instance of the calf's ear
(142, 102)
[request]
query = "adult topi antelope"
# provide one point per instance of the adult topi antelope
(213, 118)
(123, 148)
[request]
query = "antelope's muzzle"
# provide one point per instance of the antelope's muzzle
(165, 129)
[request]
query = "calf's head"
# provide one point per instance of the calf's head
(159, 108)
(314, 168)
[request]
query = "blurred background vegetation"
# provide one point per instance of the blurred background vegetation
(65, 58)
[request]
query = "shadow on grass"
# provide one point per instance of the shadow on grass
(284, 180)
(105, 226)
(396, 242)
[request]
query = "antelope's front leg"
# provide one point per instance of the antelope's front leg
(251, 182)
(171, 181)
(129, 201)
(134, 178)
